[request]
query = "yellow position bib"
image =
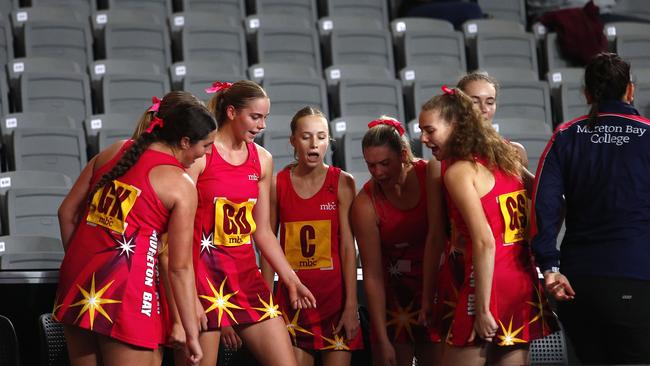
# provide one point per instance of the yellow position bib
(233, 222)
(514, 208)
(308, 244)
(111, 205)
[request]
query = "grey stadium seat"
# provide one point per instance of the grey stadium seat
(336, 73)
(555, 79)
(136, 41)
(305, 9)
(634, 8)
(572, 102)
(376, 9)
(276, 141)
(231, 8)
(196, 84)
(205, 70)
(505, 9)
(516, 50)
(369, 98)
(33, 211)
(634, 48)
(287, 45)
(553, 57)
(109, 136)
(94, 124)
(131, 93)
(350, 146)
(30, 252)
(50, 149)
(63, 93)
(6, 41)
(520, 125)
(162, 8)
(16, 67)
(360, 47)
(222, 44)
(341, 125)
(429, 48)
(258, 72)
(422, 91)
(347, 22)
(14, 121)
(291, 94)
(529, 99)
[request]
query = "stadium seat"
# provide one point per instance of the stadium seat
(131, 93)
(350, 47)
(347, 22)
(297, 9)
(433, 48)
(369, 98)
(258, 72)
(292, 94)
(30, 252)
(54, 351)
(197, 83)
(634, 48)
(375, 9)
(526, 98)
(341, 125)
(504, 9)
(94, 124)
(160, 7)
(572, 102)
(60, 150)
(514, 50)
(535, 143)
(109, 136)
(55, 92)
(231, 8)
(33, 211)
(633, 8)
(222, 44)
(201, 70)
(287, 45)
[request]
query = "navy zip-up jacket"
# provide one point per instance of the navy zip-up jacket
(603, 176)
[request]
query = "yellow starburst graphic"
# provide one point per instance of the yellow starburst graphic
(451, 304)
(293, 327)
(402, 319)
(509, 338)
(220, 301)
(56, 307)
(270, 309)
(336, 344)
(93, 301)
(542, 309)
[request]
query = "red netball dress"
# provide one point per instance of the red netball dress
(517, 300)
(309, 234)
(228, 281)
(108, 282)
(403, 233)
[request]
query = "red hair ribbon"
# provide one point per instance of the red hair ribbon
(389, 122)
(155, 104)
(448, 90)
(155, 122)
(216, 86)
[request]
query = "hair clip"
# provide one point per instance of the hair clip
(389, 122)
(448, 90)
(155, 104)
(218, 85)
(155, 122)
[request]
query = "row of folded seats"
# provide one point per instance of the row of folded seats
(233, 44)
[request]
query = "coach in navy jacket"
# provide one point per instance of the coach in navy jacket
(595, 171)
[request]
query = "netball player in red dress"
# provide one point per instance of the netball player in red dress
(111, 221)
(310, 204)
(501, 305)
(389, 219)
(233, 183)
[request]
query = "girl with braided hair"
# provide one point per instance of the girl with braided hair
(111, 222)
(501, 305)
(389, 217)
(594, 172)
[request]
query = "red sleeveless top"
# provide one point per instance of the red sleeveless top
(228, 281)
(517, 300)
(108, 282)
(403, 234)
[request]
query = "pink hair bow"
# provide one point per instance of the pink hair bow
(389, 122)
(155, 122)
(216, 86)
(448, 90)
(155, 104)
